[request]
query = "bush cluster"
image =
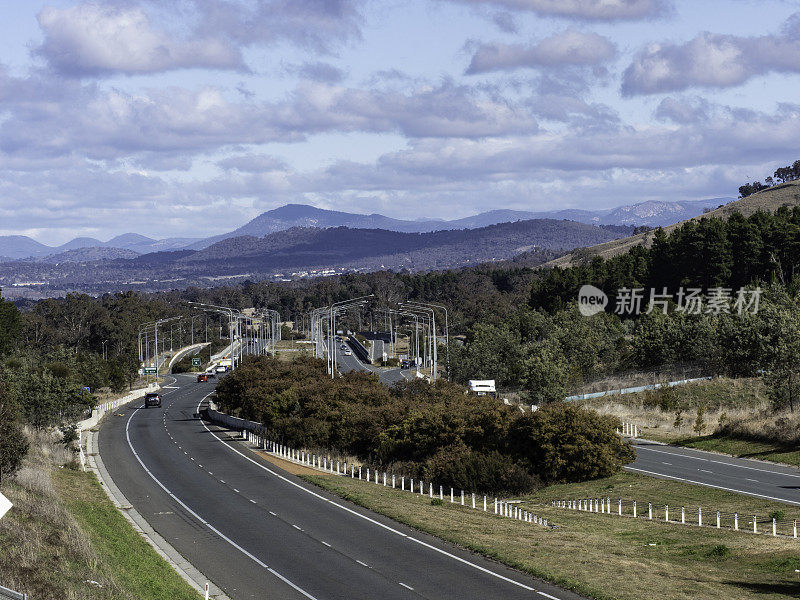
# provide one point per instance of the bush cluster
(435, 432)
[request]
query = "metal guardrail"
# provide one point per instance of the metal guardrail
(8, 594)
(633, 390)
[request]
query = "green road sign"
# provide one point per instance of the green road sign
(195, 362)
(150, 371)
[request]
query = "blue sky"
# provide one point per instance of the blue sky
(188, 118)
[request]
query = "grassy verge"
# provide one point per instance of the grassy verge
(605, 556)
(744, 448)
(64, 540)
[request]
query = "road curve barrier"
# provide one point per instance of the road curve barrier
(633, 390)
(183, 352)
(7, 594)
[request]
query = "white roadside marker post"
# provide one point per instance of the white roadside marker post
(5, 505)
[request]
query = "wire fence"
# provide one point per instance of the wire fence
(774, 525)
(253, 432)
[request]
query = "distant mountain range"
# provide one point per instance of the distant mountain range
(301, 252)
(650, 213)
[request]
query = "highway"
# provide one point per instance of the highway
(347, 363)
(259, 532)
(741, 475)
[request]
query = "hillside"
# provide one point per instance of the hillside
(301, 252)
(88, 254)
(769, 200)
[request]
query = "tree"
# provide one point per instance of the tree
(10, 325)
(782, 368)
(545, 373)
(13, 442)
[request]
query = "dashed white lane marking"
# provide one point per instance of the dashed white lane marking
(373, 521)
(753, 480)
(206, 523)
(405, 585)
(666, 463)
(296, 527)
(222, 481)
(326, 544)
(705, 471)
(273, 514)
(363, 564)
(235, 490)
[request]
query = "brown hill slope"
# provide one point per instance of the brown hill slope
(769, 200)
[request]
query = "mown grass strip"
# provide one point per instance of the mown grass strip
(604, 556)
(133, 564)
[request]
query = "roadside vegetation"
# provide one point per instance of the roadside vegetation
(604, 556)
(64, 540)
(436, 432)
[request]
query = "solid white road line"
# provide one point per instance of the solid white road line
(719, 462)
(373, 521)
(711, 485)
(206, 523)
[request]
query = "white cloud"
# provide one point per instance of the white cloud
(590, 10)
(570, 47)
(92, 39)
(712, 60)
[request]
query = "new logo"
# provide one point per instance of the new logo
(591, 300)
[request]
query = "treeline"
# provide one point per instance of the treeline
(704, 253)
(437, 433)
(546, 355)
(781, 175)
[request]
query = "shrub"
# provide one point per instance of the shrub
(719, 551)
(464, 469)
(567, 443)
(778, 515)
(13, 443)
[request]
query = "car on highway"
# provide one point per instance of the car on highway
(347, 352)
(202, 377)
(152, 399)
(221, 369)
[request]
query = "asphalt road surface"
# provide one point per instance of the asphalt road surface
(346, 363)
(745, 476)
(260, 532)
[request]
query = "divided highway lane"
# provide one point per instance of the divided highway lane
(259, 532)
(751, 477)
(351, 362)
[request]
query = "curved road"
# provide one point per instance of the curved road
(260, 532)
(741, 475)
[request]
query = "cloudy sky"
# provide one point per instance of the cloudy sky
(188, 118)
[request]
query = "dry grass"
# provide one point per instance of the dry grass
(670, 414)
(605, 556)
(51, 546)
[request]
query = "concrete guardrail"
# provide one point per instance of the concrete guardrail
(8, 594)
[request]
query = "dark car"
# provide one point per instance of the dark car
(152, 399)
(202, 377)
